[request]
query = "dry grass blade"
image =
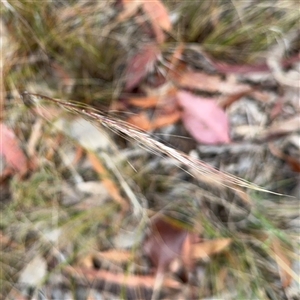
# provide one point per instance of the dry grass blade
(192, 165)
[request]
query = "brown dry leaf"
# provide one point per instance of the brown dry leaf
(10, 149)
(140, 64)
(115, 256)
(131, 281)
(258, 68)
(277, 108)
(140, 120)
(226, 101)
(158, 13)
(165, 243)
(177, 55)
(293, 162)
(283, 262)
(130, 8)
(205, 249)
(78, 155)
(260, 96)
(166, 119)
(284, 126)
(167, 113)
(118, 256)
(144, 102)
(52, 145)
(159, 18)
(240, 69)
(209, 83)
(129, 2)
(108, 183)
(197, 80)
(87, 261)
(187, 251)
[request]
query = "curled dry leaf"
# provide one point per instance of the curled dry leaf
(140, 64)
(203, 119)
(10, 149)
(89, 276)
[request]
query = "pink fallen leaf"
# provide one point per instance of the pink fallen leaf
(11, 151)
(139, 66)
(203, 118)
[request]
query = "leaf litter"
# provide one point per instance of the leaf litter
(201, 198)
(161, 259)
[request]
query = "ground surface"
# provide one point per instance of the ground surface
(150, 150)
